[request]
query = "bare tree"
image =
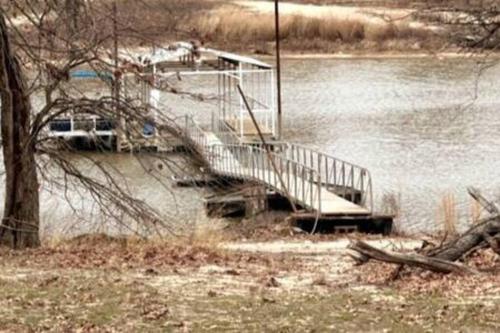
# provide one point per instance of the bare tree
(36, 60)
(21, 210)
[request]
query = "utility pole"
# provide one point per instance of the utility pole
(278, 66)
(116, 80)
(116, 91)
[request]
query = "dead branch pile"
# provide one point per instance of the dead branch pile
(447, 257)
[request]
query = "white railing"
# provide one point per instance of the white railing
(292, 179)
(300, 172)
(196, 134)
(348, 180)
(345, 179)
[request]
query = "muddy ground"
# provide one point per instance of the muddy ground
(304, 285)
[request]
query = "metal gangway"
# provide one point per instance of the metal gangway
(319, 183)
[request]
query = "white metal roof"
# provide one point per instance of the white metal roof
(174, 51)
(237, 58)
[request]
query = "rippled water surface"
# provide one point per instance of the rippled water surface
(425, 128)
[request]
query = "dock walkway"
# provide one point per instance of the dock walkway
(317, 182)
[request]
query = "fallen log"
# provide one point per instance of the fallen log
(482, 233)
(468, 241)
(493, 242)
(489, 206)
(411, 259)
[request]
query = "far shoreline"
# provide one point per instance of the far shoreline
(382, 55)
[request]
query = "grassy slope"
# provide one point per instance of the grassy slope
(131, 301)
(102, 284)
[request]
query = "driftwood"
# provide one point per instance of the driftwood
(493, 242)
(468, 241)
(489, 206)
(412, 259)
(443, 258)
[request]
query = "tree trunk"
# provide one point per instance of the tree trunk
(20, 224)
(72, 8)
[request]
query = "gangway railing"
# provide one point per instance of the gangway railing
(301, 183)
(304, 171)
(195, 133)
(350, 181)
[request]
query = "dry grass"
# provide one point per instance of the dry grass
(403, 3)
(231, 24)
(391, 204)
(225, 25)
(448, 214)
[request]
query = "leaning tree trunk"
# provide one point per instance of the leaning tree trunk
(20, 223)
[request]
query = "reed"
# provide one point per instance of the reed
(448, 214)
(391, 204)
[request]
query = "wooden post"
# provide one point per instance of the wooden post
(255, 200)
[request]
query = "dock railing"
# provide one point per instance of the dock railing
(300, 183)
(348, 180)
(304, 172)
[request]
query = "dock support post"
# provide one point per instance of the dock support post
(255, 200)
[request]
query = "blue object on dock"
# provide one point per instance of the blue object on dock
(89, 74)
(148, 129)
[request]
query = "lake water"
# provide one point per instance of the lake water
(425, 128)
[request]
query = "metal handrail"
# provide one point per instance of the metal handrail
(253, 163)
(346, 179)
(195, 134)
(226, 133)
(304, 170)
